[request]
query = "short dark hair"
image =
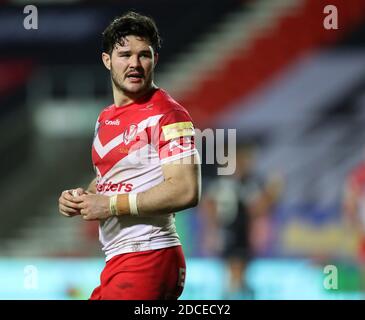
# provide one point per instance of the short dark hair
(131, 23)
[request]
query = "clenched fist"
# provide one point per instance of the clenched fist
(93, 206)
(67, 204)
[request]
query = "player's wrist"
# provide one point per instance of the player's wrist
(113, 208)
(133, 208)
(123, 204)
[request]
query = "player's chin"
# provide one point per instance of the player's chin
(135, 88)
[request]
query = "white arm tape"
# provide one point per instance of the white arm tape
(132, 198)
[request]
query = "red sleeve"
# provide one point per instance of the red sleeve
(174, 137)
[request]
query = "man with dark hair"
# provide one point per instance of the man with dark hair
(147, 168)
(129, 23)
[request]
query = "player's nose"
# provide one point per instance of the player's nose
(134, 61)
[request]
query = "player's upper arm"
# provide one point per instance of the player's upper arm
(185, 178)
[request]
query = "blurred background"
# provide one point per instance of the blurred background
(293, 90)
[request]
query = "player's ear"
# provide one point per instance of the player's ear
(106, 60)
(155, 56)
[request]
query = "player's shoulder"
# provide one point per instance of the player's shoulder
(165, 103)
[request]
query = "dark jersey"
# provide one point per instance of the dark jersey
(233, 198)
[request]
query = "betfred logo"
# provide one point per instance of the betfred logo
(112, 122)
(122, 186)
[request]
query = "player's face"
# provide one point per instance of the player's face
(132, 64)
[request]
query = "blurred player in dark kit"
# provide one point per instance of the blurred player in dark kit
(234, 206)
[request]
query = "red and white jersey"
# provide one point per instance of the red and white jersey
(130, 145)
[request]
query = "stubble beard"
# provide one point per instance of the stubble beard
(118, 84)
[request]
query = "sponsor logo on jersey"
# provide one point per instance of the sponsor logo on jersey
(112, 122)
(178, 129)
(114, 187)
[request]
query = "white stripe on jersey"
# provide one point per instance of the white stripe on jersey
(144, 176)
(104, 150)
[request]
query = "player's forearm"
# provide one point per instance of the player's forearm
(169, 196)
(92, 187)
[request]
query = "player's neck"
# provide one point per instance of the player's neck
(122, 98)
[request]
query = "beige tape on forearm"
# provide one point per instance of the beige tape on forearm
(113, 205)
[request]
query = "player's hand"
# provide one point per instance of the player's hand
(67, 204)
(93, 206)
